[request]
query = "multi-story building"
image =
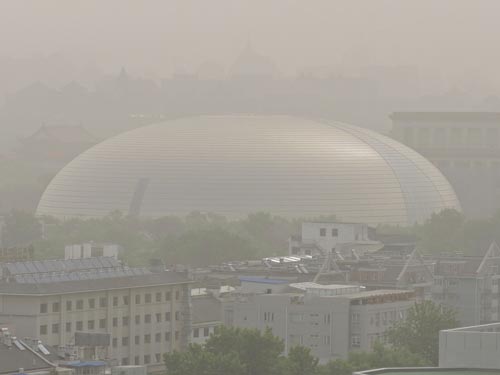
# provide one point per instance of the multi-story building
(470, 286)
(331, 320)
(465, 146)
(133, 315)
(207, 316)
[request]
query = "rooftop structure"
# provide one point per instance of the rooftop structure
(470, 347)
(236, 165)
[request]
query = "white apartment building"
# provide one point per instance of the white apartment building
(319, 237)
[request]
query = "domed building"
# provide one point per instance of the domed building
(236, 165)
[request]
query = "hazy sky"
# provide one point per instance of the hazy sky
(155, 36)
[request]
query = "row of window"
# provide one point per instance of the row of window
(103, 322)
(103, 301)
(322, 232)
(206, 332)
(125, 341)
(146, 359)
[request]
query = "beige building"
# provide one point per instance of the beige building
(140, 315)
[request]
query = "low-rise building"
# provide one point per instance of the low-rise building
(470, 286)
(330, 320)
(127, 315)
(470, 347)
(207, 316)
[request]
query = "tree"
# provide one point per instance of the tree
(419, 332)
(301, 362)
(20, 229)
(197, 361)
(443, 232)
(380, 357)
(230, 351)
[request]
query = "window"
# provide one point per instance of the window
(102, 323)
(136, 360)
(176, 335)
(43, 308)
(167, 316)
(355, 341)
(147, 318)
(355, 317)
(125, 341)
(91, 303)
(158, 318)
(147, 338)
(196, 332)
(177, 294)
(335, 232)
(137, 340)
(137, 299)
(147, 359)
(168, 296)
(115, 301)
(55, 328)
(43, 329)
(322, 232)
(115, 322)
(115, 342)
(326, 340)
(167, 336)
(158, 357)
(125, 300)
(55, 307)
(158, 297)
(69, 305)
(90, 324)
(157, 337)
(79, 325)
(206, 332)
(103, 302)
(147, 298)
(125, 361)
(137, 319)
(79, 304)
(177, 315)
(68, 326)
(125, 321)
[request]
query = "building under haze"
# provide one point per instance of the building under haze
(130, 315)
(465, 146)
(236, 165)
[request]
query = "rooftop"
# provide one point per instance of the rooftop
(428, 371)
(88, 285)
(262, 280)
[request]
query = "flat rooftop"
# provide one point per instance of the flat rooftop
(429, 371)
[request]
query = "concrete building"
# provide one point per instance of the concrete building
(91, 250)
(319, 238)
(465, 146)
(107, 310)
(330, 320)
(207, 316)
(470, 286)
(470, 347)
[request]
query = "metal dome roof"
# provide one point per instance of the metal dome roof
(235, 165)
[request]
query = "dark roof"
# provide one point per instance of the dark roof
(160, 278)
(12, 359)
(206, 309)
(455, 116)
